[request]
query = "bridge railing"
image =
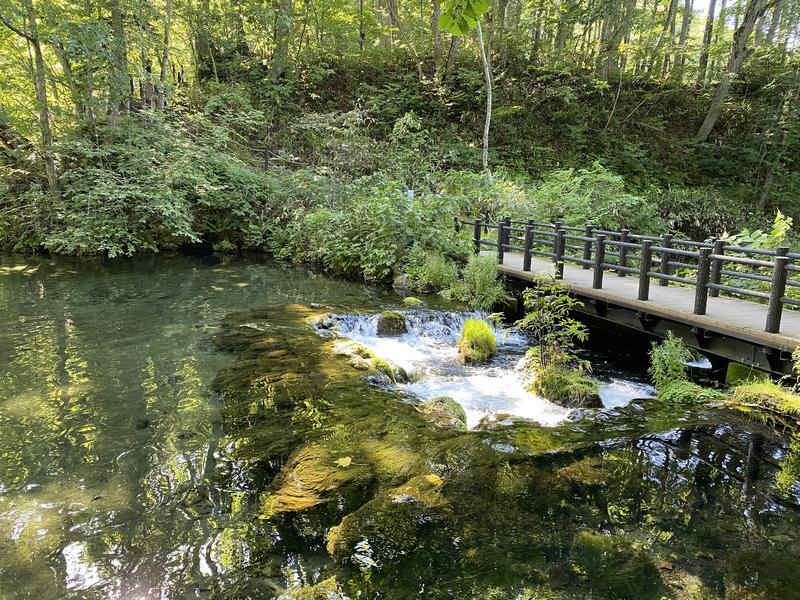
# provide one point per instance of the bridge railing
(710, 268)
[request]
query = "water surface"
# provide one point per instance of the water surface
(173, 428)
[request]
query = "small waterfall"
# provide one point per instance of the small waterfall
(427, 351)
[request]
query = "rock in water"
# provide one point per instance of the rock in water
(391, 323)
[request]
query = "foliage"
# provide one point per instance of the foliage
(592, 196)
(774, 402)
(478, 342)
(668, 361)
(479, 287)
(548, 306)
(429, 271)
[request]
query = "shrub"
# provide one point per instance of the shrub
(478, 342)
(430, 271)
(668, 361)
(479, 287)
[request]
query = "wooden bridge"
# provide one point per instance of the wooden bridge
(730, 301)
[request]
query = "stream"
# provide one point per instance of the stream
(178, 427)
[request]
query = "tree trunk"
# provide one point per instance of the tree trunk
(487, 74)
(755, 10)
(39, 79)
(162, 79)
(702, 63)
(118, 94)
(282, 35)
(437, 34)
(775, 22)
(686, 23)
(394, 17)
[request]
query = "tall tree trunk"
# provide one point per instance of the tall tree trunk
(702, 63)
(162, 77)
(686, 23)
(394, 17)
(437, 34)
(775, 22)
(755, 10)
(39, 79)
(487, 74)
(282, 35)
(721, 26)
(118, 94)
(361, 33)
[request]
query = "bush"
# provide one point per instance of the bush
(478, 342)
(668, 361)
(430, 271)
(479, 287)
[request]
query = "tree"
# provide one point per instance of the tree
(30, 33)
(755, 10)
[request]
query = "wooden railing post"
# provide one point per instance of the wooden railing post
(777, 290)
(526, 258)
(501, 240)
(560, 246)
(623, 253)
(701, 291)
(716, 267)
(556, 228)
(477, 235)
(599, 259)
(665, 257)
(587, 246)
(644, 270)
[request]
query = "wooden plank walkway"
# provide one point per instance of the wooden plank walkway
(731, 317)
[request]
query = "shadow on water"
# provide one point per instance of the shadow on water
(162, 438)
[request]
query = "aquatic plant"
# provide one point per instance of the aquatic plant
(391, 322)
(668, 361)
(412, 301)
(478, 342)
(479, 286)
(683, 391)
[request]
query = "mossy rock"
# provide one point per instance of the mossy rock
(686, 392)
(444, 408)
(615, 567)
(391, 322)
(412, 301)
(591, 471)
(774, 400)
(738, 373)
(478, 342)
(565, 386)
(394, 373)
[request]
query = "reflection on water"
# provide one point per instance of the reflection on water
(173, 428)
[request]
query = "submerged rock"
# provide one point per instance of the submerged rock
(445, 409)
(362, 358)
(412, 301)
(391, 322)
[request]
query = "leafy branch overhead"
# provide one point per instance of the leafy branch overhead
(462, 16)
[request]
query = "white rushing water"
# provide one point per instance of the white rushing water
(428, 353)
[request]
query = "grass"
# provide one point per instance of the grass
(478, 342)
(775, 402)
(565, 386)
(682, 391)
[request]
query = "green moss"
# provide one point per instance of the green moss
(591, 470)
(565, 386)
(412, 301)
(395, 374)
(391, 322)
(685, 392)
(738, 373)
(774, 400)
(478, 342)
(444, 407)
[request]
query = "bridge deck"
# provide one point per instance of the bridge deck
(735, 318)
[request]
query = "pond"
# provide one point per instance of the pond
(178, 427)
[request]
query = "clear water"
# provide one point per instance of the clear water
(173, 428)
